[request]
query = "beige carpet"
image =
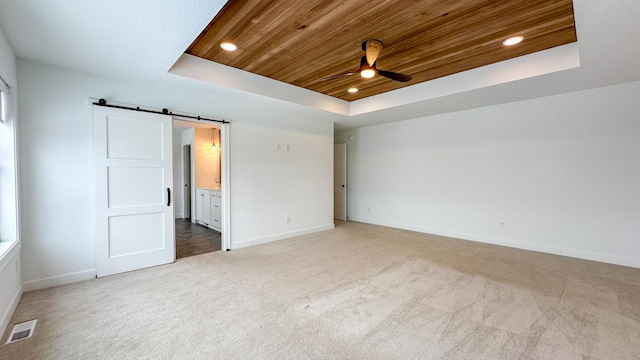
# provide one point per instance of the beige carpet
(356, 292)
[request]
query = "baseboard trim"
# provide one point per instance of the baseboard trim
(579, 254)
(59, 280)
(281, 236)
(6, 317)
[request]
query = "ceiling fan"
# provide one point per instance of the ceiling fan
(372, 49)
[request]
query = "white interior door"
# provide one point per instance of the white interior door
(340, 181)
(134, 184)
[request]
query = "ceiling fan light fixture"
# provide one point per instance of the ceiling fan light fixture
(353, 90)
(368, 73)
(368, 68)
(227, 46)
(513, 41)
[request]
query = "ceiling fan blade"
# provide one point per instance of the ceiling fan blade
(394, 75)
(372, 48)
(333, 77)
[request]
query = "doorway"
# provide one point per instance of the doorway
(198, 152)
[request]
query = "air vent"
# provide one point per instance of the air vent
(22, 331)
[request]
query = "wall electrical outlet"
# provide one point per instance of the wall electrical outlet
(369, 209)
(501, 225)
(278, 146)
(288, 147)
(288, 220)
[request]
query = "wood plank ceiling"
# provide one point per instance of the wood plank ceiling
(301, 41)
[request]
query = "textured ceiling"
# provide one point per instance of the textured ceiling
(302, 41)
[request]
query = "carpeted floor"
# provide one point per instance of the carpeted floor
(356, 292)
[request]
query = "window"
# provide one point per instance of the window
(4, 101)
(8, 209)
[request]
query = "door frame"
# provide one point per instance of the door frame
(225, 216)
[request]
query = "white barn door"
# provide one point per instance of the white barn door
(134, 190)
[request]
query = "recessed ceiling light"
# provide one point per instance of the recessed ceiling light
(368, 73)
(353, 90)
(227, 46)
(513, 40)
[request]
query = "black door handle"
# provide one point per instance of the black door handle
(168, 197)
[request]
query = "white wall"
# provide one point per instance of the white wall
(10, 273)
(561, 172)
(297, 183)
(288, 182)
(207, 163)
(56, 165)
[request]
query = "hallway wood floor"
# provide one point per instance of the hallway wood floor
(194, 239)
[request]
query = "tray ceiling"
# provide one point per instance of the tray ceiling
(299, 42)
